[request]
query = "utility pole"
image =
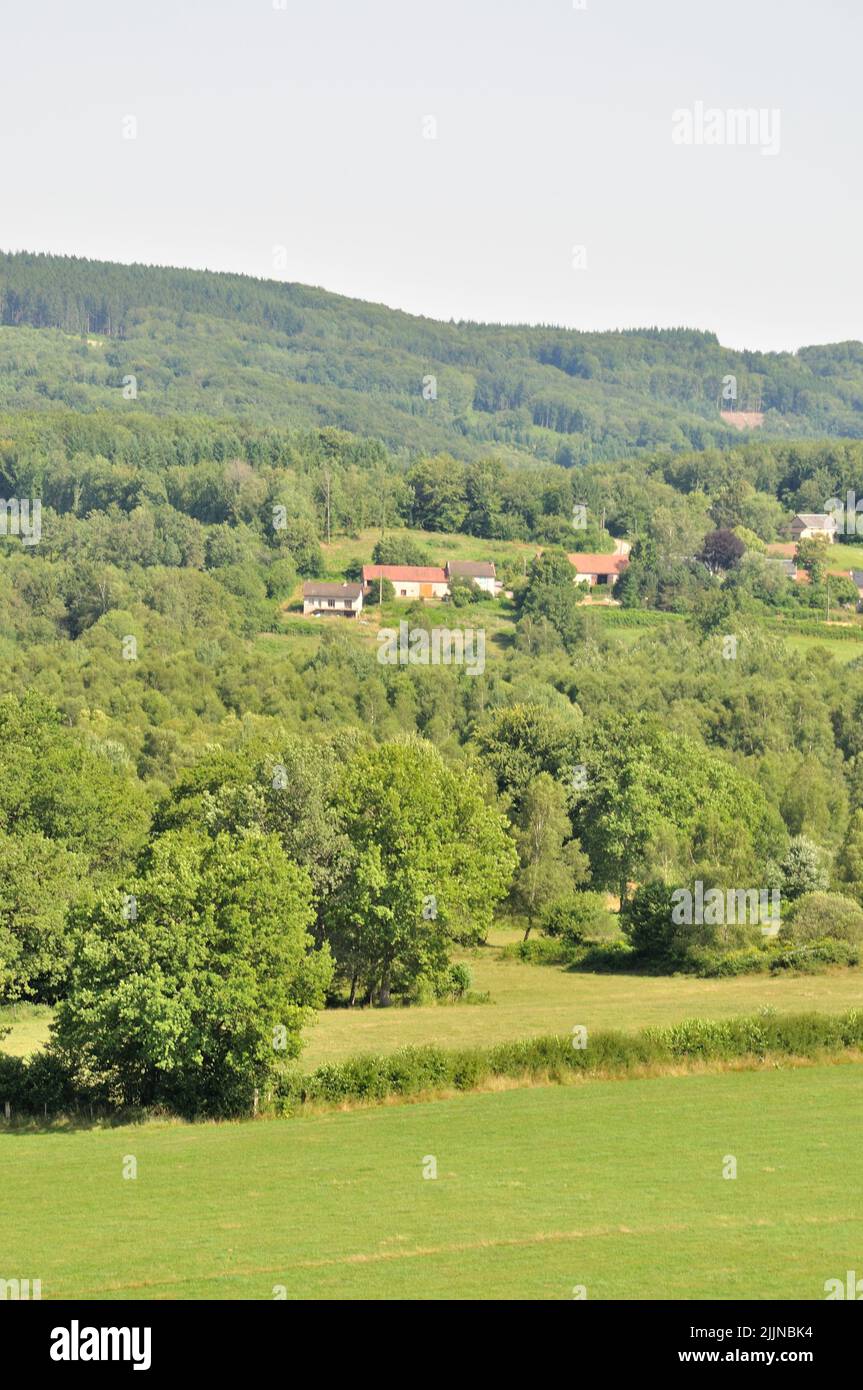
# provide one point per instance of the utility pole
(328, 481)
(828, 598)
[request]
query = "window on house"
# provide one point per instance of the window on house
(331, 603)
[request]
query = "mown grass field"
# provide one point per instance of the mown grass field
(616, 1186)
(534, 1000)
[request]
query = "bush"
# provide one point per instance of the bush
(539, 951)
(605, 955)
(648, 924)
(709, 963)
(815, 916)
(380, 591)
(577, 917)
(30, 1086)
(816, 956)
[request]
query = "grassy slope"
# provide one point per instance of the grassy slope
(441, 546)
(537, 1191)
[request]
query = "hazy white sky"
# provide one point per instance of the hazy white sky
(304, 127)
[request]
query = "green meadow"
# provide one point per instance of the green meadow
(526, 1001)
(615, 1187)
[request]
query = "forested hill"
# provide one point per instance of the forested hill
(91, 335)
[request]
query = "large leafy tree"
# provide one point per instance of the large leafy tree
(551, 594)
(52, 783)
(190, 988)
(550, 863)
(38, 880)
(430, 861)
(520, 741)
(288, 789)
(643, 782)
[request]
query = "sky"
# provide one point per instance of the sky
(536, 162)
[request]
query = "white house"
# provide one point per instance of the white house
(814, 526)
(321, 599)
(482, 572)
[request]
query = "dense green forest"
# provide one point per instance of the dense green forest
(86, 335)
(212, 809)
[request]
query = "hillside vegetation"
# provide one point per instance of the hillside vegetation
(73, 331)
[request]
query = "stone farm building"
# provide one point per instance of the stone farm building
(603, 570)
(332, 600)
(409, 581)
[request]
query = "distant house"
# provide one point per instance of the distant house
(409, 581)
(814, 526)
(598, 569)
(332, 600)
(785, 566)
(482, 572)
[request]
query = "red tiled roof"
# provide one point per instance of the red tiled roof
(599, 564)
(416, 574)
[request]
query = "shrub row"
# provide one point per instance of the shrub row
(38, 1087)
(808, 627)
(705, 962)
(636, 617)
(415, 1070)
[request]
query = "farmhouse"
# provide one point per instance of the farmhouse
(813, 526)
(482, 572)
(332, 600)
(409, 581)
(783, 564)
(598, 569)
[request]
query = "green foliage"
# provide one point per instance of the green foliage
(429, 862)
(522, 740)
(649, 926)
(576, 918)
(191, 988)
(380, 591)
(550, 863)
(52, 785)
(801, 869)
(39, 880)
(551, 597)
(229, 345)
(818, 915)
(400, 550)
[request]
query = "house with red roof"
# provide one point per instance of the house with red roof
(409, 581)
(604, 570)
